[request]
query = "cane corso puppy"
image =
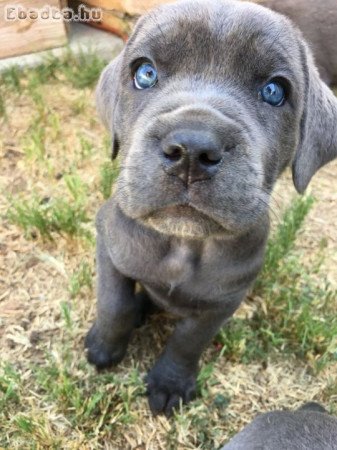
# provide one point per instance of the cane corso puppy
(207, 104)
(308, 428)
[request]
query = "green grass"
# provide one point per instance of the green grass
(86, 146)
(11, 78)
(284, 239)
(33, 143)
(109, 173)
(81, 279)
(9, 386)
(55, 126)
(79, 105)
(50, 216)
(83, 70)
(94, 404)
(79, 70)
(88, 402)
(3, 106)
(296, 317)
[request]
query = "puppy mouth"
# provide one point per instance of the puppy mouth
(183, 221)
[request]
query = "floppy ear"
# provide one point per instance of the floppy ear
(318, 141)
(107, 97)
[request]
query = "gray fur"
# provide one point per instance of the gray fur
(308, 428)
(193, 236)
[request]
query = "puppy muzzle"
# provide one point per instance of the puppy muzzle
(194, 140)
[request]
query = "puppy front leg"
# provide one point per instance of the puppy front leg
(117, 313)
(173, 378)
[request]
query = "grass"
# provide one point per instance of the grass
(57, 174)
(297, 316)
(65, 383)
(94, 405)
(109, 173)
(2, 105)
(284, 239)
(34, 141)
(48, 216)
(11, 78)
(110, 403)
(78, 106)
(80, 279)
(80, 70)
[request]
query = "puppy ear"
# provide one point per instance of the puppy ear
(107, 97)
(318, 140)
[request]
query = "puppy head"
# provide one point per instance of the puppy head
(207, 104)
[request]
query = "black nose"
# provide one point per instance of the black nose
(191, 155)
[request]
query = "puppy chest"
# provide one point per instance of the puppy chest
(167, 265)
(179, 265)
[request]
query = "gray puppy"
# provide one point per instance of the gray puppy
(308, 428)
(207, 104)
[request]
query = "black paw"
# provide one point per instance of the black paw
(102, 354)
(168, 385)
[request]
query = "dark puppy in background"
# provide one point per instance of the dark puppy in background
(207, 104)
(318, 22)
(308, 428)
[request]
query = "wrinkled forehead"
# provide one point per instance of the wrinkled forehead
(225, 36)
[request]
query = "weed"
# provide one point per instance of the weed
(331, 392)
(58, 215)
(204, 375)
(9, 386)
(34, 141)
(77, 188)
(107, 145)
(11, 77)
(66, 313)
(2, 104)
(109, 174)
(284, 240)
(80, 279)
(79, 105)
(46, 71)
(82, 70)
(55, 126)
(86, 147)
(41, 107)
(24, 423)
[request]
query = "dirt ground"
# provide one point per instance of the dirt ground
(35, 275)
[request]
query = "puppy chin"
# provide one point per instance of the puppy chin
(183, 222)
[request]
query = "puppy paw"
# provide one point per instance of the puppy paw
(167, 386)
(103, 354)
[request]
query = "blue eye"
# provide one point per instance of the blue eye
(273, 93)
(146, 76)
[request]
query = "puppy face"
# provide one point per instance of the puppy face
(207, 104)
